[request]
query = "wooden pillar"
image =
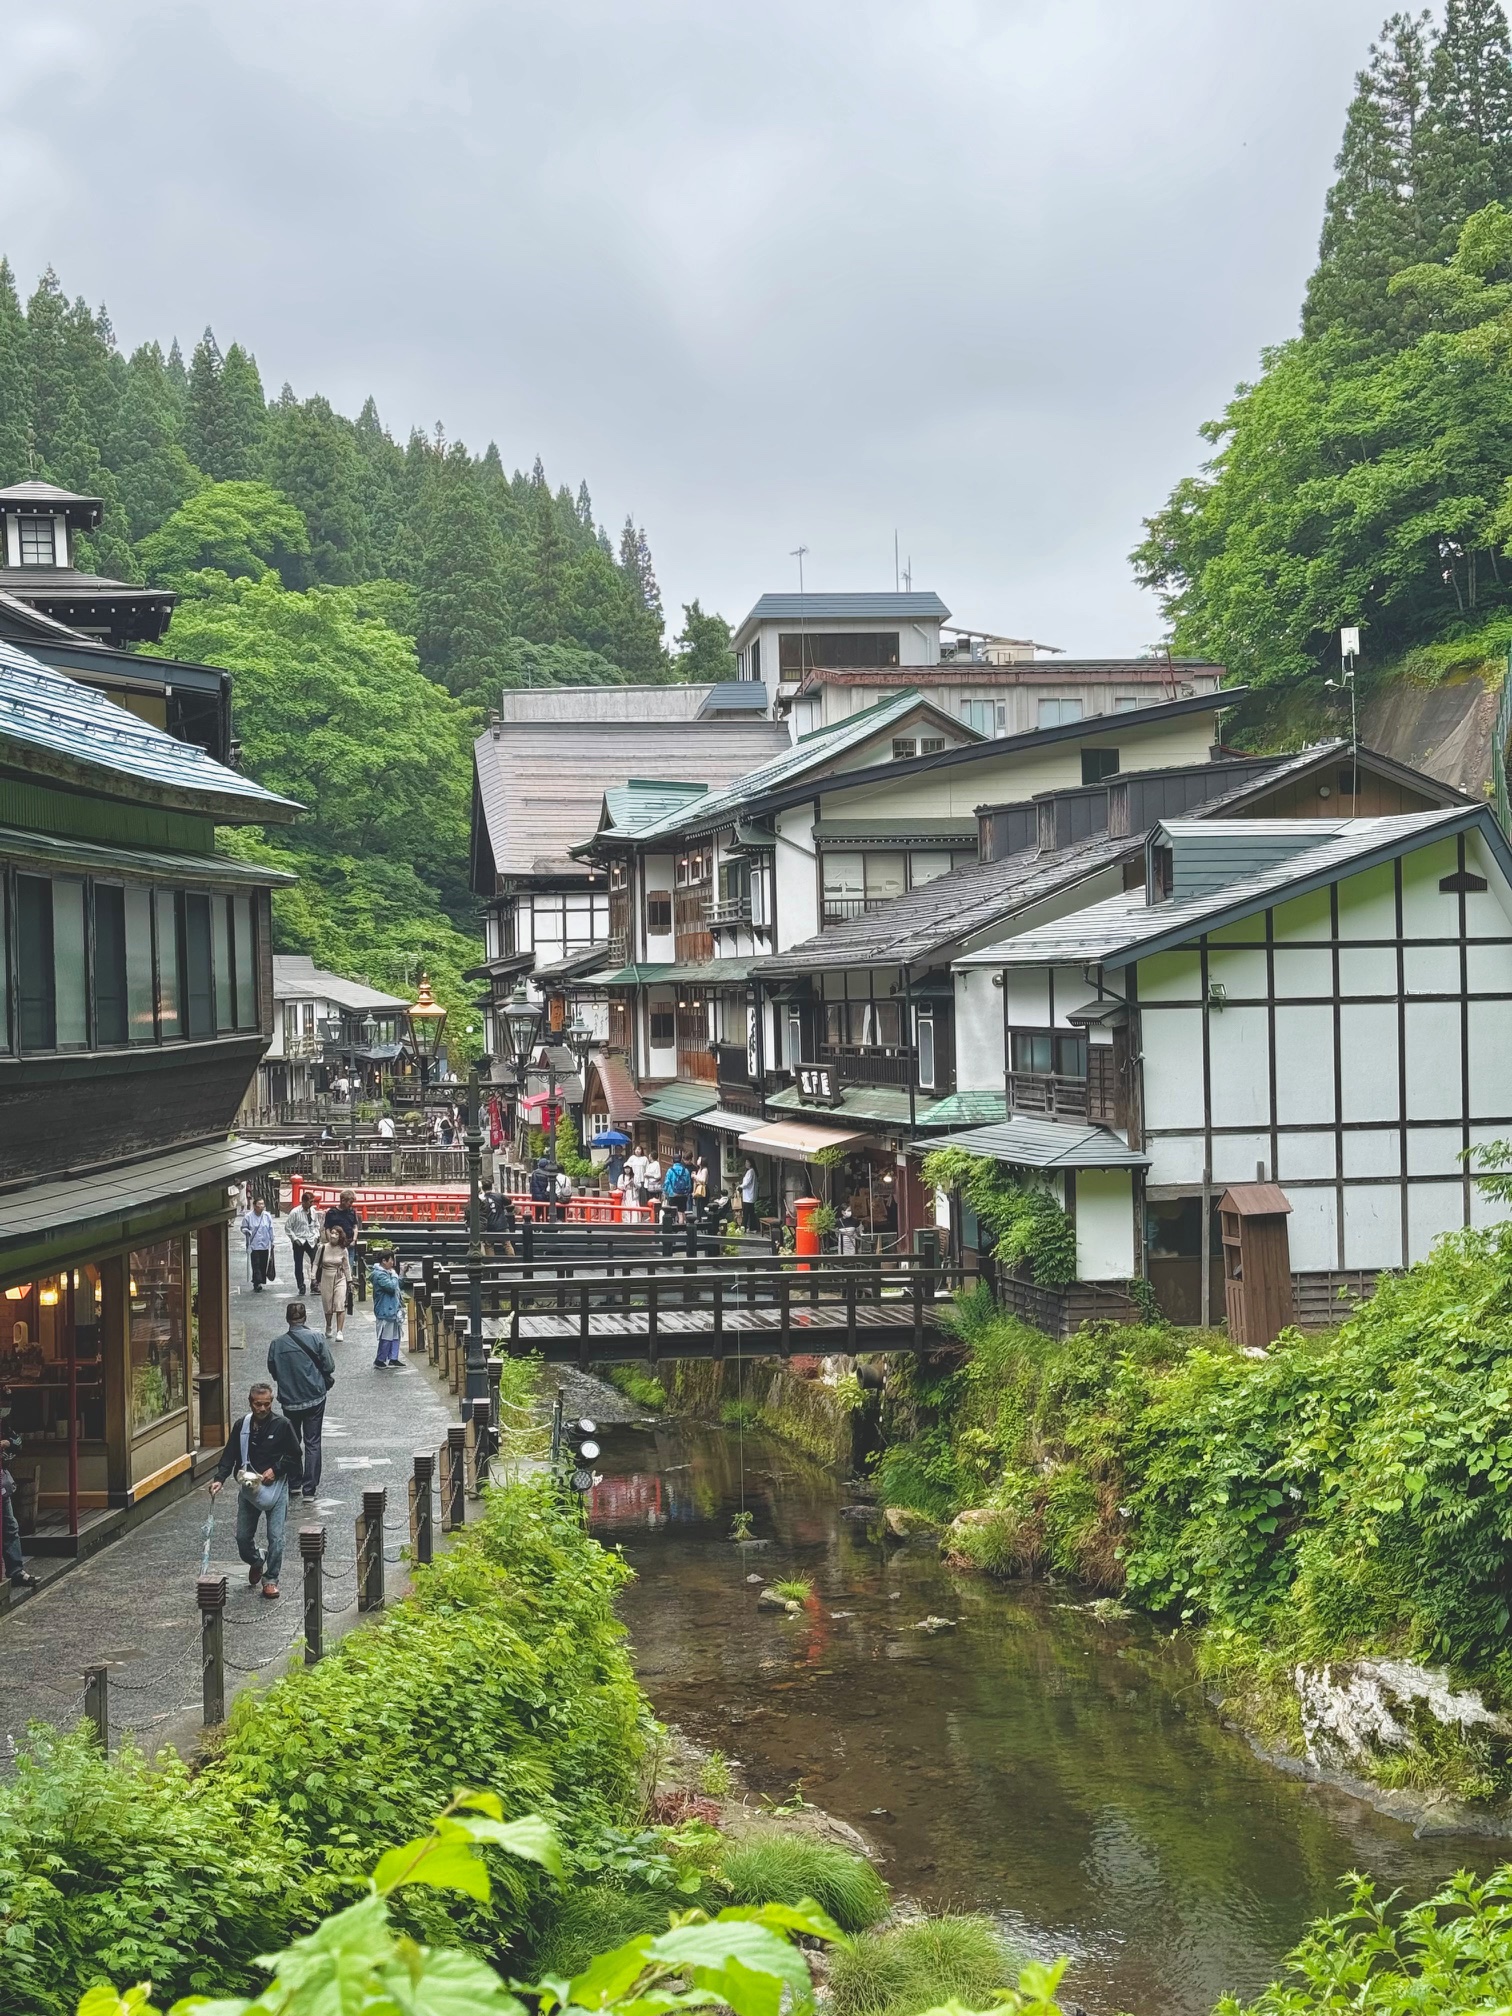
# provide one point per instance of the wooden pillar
(214, 1277)
(115, 1365)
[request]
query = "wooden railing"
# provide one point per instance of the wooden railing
(1047, 1093)
(866, 1064)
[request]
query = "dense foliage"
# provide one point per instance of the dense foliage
(505, 1666)
(1362, 478)
(1346, 1493)
(1027, 1222)
(455, 578)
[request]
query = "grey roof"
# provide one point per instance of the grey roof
(100, 1204)
(58, 726)
(1029, 1143)
(217, 870)
(579, 704)
(825, 608)
(737, 696)
(296, 977)
(802, 759)
(1128, 927)
(541, 785)
(35, 491)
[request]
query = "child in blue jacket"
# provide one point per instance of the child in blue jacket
(387, 1308)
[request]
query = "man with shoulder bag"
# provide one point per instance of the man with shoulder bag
(302, 1368)
(263, 1453)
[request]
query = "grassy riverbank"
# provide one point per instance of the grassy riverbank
(1348, 1495)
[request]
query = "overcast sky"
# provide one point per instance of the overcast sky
(799, 272)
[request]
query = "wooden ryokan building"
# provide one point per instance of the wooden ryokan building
(136, 997)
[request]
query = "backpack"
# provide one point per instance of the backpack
(678, 1181)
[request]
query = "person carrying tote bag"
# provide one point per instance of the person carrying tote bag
(333, 1277)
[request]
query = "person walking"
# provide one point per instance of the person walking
(303, 1371)
(303, 1228)
(635, 1168)
(748, 1197)
(333, 1276)
(387, 1308)
(700, 1184)
(264, 1452)
(257, 1229)
(540, 1186)
(345, 1215)
(10, 1525)
(563, 1195)
(651, 1182)
(386, 1127)
(677, 1188)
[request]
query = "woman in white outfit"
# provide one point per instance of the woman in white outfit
(333, 1277)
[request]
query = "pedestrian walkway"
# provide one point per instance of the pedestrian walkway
(133, 1603)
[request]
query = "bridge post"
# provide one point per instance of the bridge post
(514, 1316)
(584, 1327)
(651, 1322)
(917, 1285)
(785, 1294)
(850, 1311)
(718, 1320)
(528, 1229)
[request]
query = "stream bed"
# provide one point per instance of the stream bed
(1040, 1762)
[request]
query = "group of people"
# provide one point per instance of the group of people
(325, 1246)
(685, 1188)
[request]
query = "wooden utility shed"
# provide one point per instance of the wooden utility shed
(1257, 1282)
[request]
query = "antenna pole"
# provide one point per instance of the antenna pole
(895, 560)
(803, 668)
(1349, 651)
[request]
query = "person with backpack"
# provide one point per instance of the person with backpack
(303, 1371)
(388, 1309)
(564, 1194)
(540, 1185)
(264, 1453)
(677, 1187)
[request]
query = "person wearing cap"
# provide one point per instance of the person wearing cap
(388, 1309)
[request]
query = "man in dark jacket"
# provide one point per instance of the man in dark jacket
(302, 1368)
(265, 1451)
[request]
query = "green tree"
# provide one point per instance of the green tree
(239, 528)
(244, 417)
(15, 391)
(310, 454)
(1467, 147)
(152, 472)
(204, 410)
(1373, 224)
(463, 604)
(704, 646)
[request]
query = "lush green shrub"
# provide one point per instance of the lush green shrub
(911, 1968)
(1027, 1220)
(642, 1387)
(506, 1666)
(772, 1867)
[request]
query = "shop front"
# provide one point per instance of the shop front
(115, 1336)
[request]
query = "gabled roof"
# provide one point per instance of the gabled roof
(1127, 927)
(35, 491)
(296, 977)
(1028, 1143)
(808, 757)
(57, 728)
(539, 785)
(827, 608)
(643, 801)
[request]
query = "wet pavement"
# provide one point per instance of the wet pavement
(132, 1604)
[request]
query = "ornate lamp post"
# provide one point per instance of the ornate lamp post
(427, 1022)
(523, 1017)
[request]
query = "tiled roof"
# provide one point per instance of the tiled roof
(645, 800)
(1128, 927)
(810, 754)
(679, 1101)
(820, 608)
(296, 977)
(711, 973)
(1029, 1143)
(59, 727)
(969, 1109)
(541, 784)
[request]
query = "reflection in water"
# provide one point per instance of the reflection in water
(1063, 1773)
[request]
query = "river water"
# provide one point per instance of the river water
(1060, 1771)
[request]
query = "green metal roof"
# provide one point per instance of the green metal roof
(1028, 1143)
(680, 1101)
(219, 869)
(968, 1109)
(813, 752)
(712, 973)
(55, 727)
(883, 1105)
(645, 800)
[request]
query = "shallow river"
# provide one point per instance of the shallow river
(1064, 1774)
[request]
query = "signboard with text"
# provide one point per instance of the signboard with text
(817, 1085)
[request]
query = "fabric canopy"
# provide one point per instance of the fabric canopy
(798, 1141)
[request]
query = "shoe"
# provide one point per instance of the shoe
(24, 1581)
(270, 1589)
(254, 1575)
(307, 1496)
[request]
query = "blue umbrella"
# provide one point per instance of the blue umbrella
(612, 1139)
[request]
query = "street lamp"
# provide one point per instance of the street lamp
(368, 1029)
(427, 1020)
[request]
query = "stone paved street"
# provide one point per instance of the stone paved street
(133, 1603)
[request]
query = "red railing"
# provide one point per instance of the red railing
(441, 1206)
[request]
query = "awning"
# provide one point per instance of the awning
(621, 1100)
(59, 1223)
(677, 1101)
(1028, 1143)
(722, 1122)
(798, 1141)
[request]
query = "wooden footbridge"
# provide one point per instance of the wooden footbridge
(614, 1298)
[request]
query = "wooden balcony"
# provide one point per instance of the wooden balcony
(1048, 1094)
(734, 910)
(864, 1064)
(732, 1065)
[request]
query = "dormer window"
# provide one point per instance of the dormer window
(1162, 874)
(37, 542)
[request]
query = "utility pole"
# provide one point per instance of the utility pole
(476, 1382)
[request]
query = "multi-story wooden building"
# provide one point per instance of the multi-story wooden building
(135, 1000)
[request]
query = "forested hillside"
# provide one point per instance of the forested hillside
(370, 597)
(1365, 476)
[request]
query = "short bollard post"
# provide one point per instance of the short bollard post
(482, 1438)
(449, 1344)
(312, 1554)
(422, 1524)
(495, 1371)
(210, 1594)
(461, 1340)
(97, 1703)
(456, 1477)
(370, 1550)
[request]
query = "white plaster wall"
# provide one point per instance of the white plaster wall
(1311, 1230)
(1027, 990)
(1432, 1210)
(659, 873)
(1304, 1065)
(1173, 1069)
(1433, 1059)
(1368, 1079)
(1239, 1051)
(1237, 1156)
(1372, 1225)
(797, 883)
(980, 1064)
(1104, 1225)
(661, 1062)
(1170, 976)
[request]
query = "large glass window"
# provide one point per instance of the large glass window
(53, 977)
(1059, 713)
(141, 1022)
(110, 964)
(70, 964)
(7, 1034)
(37, 542)
(1044, 1051)
(925, 1029)
(225, 979)
(199, 996)
(159, 1334)
(246, 963)
(798, 651)
(170, 961)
